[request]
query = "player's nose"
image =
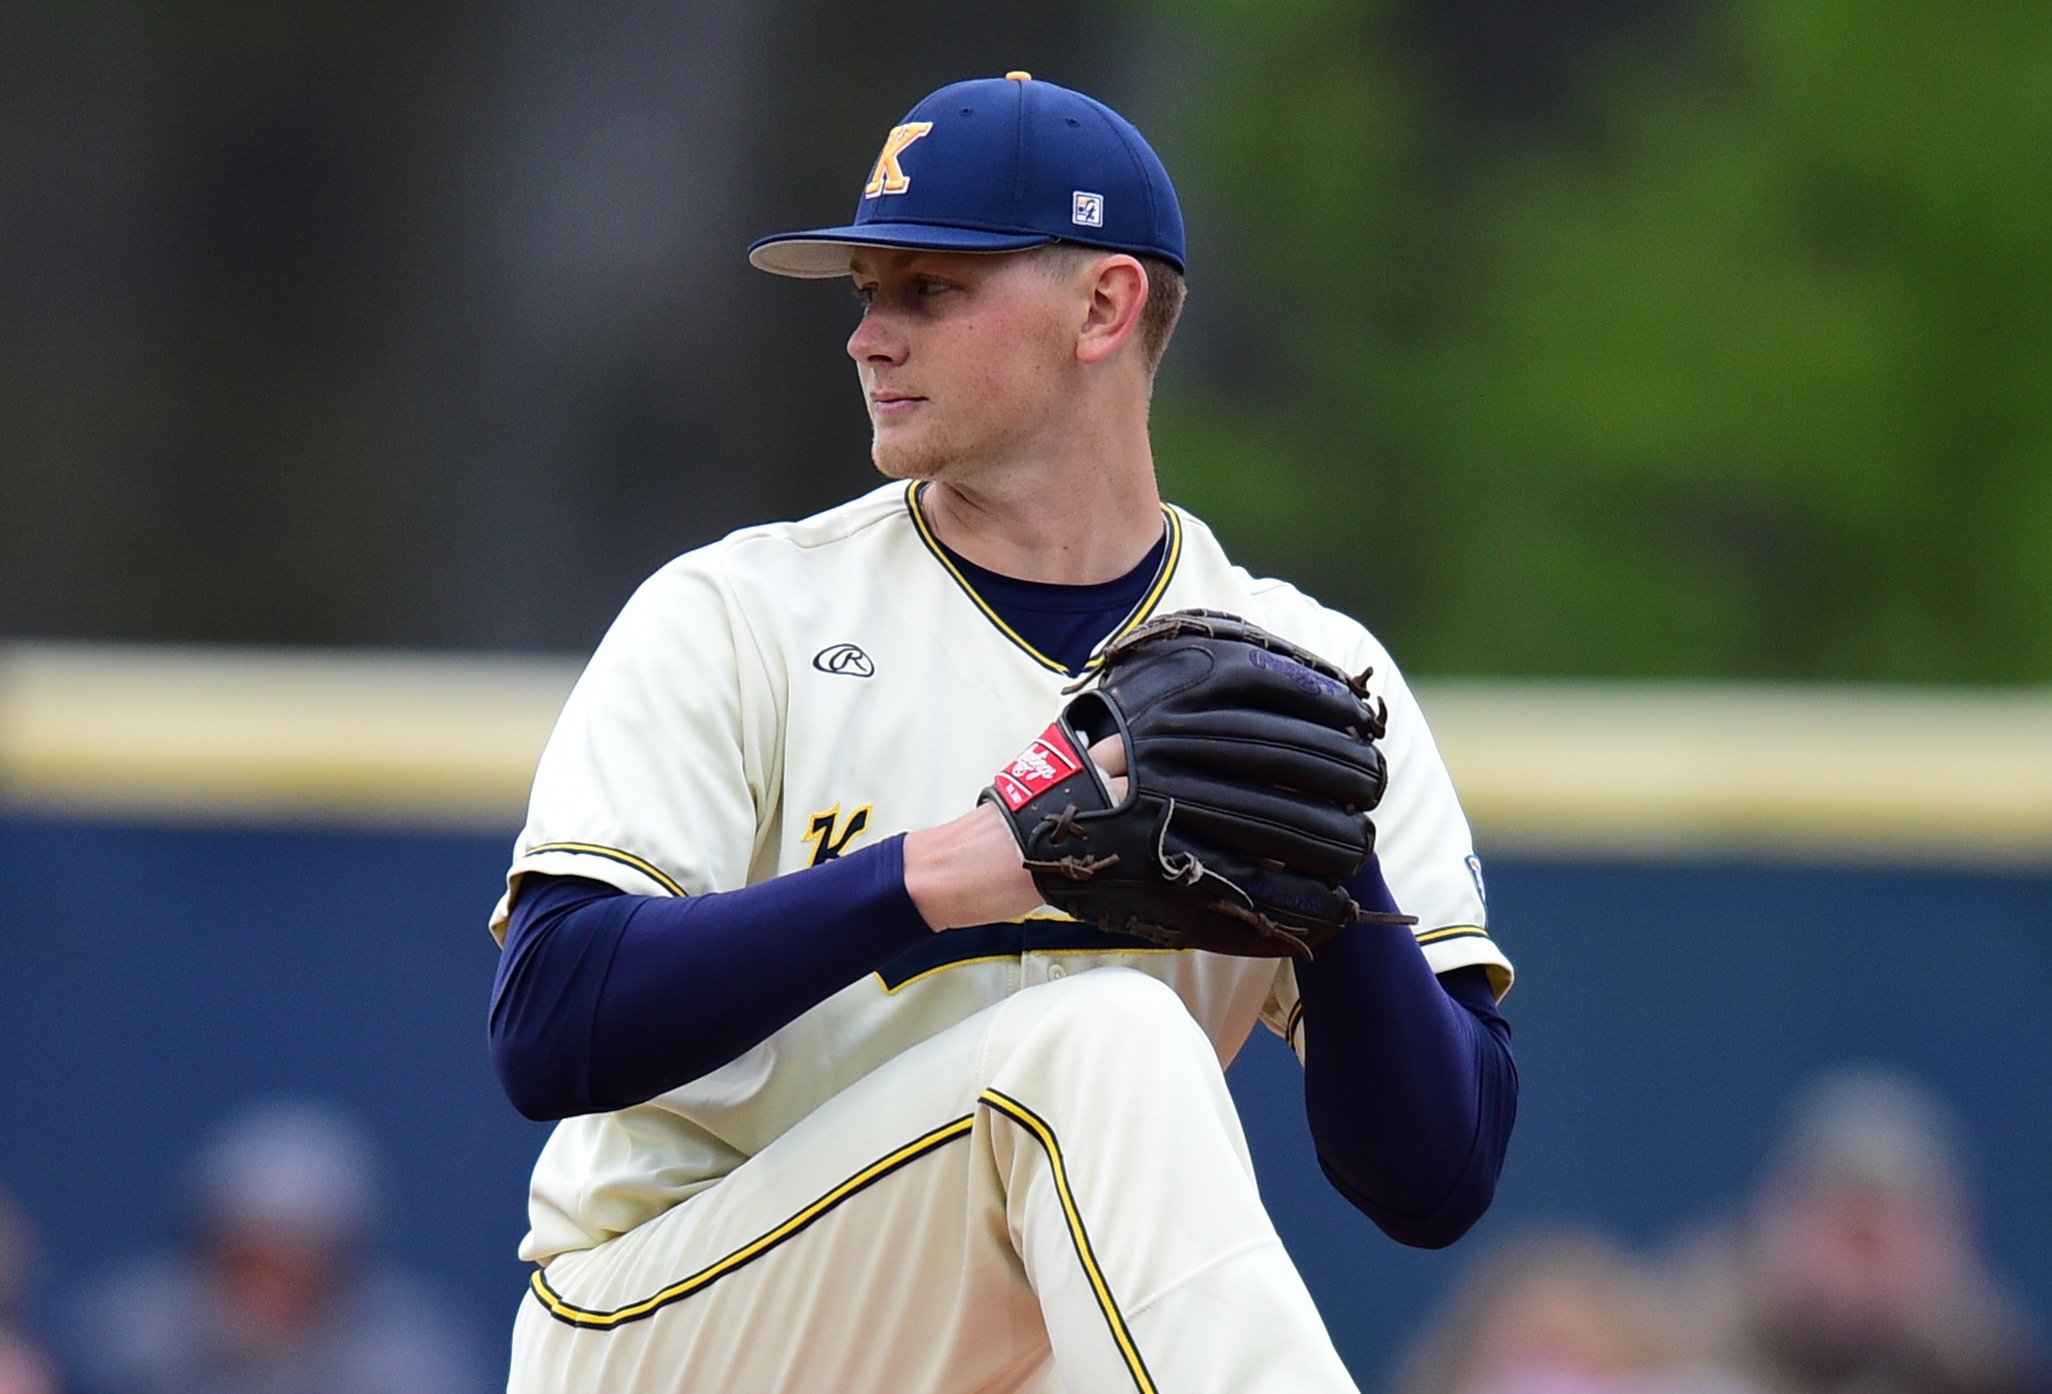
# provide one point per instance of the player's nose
(875, 340)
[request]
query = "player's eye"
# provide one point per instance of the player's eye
(930, 285)
(864, 294)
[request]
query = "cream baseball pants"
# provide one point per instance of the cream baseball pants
(1054, 1194)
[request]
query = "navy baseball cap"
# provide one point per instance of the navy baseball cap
(999, 165)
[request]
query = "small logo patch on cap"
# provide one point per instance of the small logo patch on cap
(1088, 210)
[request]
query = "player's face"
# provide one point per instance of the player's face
(966, 360)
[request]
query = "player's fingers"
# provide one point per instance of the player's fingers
(1110, 755)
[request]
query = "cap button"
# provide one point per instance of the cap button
(1019, 75)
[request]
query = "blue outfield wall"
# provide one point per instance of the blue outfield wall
(156, 975)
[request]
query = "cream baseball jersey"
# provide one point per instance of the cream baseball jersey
(798, 690)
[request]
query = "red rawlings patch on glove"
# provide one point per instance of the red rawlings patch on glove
(1048, 761)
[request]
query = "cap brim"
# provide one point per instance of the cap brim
(823, 253)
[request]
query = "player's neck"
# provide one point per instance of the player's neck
(1080, 520)
(1047, 536)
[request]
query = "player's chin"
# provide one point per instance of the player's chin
(899, 453)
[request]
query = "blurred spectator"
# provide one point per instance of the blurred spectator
(1559, 1313)
(25, 1368)
(276, 1290)
(1856, 1268)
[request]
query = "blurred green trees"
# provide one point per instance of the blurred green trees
(1738, 367)
(1700, 337)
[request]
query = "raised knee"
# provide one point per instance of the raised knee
(1119, 1007)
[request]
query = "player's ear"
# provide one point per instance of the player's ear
(1117, 289)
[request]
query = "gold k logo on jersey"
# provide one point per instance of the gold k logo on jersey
(887, 178)
(830, 837)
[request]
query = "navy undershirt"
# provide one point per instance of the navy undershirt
(1064, 622)
(605, 999)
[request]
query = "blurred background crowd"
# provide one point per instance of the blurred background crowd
(277, 1284)
(1679, 339)
(1853, 1265)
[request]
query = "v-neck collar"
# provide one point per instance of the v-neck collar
(1170, 555)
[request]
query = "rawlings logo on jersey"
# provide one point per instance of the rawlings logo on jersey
(1041, 766)
(844, 660)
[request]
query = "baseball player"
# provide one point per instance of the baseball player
(848, 1100)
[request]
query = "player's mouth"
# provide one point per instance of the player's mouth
(892, 406)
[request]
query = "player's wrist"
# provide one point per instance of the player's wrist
(968, 872)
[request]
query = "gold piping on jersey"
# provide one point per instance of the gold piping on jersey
(1459, 931)
(1170, 556)
(923, 974)
(939, 968)
(1499, 976)
(588, 1319)
(614, 854)
(1296, 1019)
(1036, 1125)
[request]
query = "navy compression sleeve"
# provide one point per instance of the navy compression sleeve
(605, 999)
(1409, 1083)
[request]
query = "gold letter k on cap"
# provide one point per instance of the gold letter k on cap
(887, 178)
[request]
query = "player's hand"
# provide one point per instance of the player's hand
(968, 872)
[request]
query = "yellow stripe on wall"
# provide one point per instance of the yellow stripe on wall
(412, 740)
(1883, 773)
(1937, 776)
